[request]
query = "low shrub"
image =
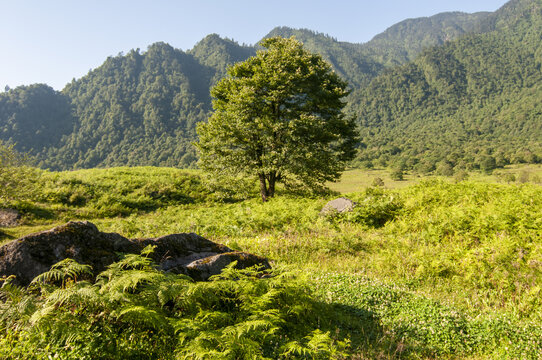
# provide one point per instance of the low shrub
(375, 207)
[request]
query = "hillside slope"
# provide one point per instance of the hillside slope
(402, 42)
(34, 117)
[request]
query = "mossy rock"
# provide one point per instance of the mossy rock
(34, 254)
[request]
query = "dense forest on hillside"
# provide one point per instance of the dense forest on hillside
(467, 84)
(34, 117)
(141, 109)
(404, 41)
(475, 102)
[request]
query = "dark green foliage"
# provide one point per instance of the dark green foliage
(397, 175)
(156, 97)
(404, 41)
(487, 164)
(350, 61)
(136, 312)
(216, 54)
(359, 63)
(142, 108)
(476, 93)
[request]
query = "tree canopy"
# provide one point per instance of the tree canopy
(278, 115)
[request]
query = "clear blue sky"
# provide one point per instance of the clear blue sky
(54, 41)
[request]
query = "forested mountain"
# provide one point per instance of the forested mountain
(359, 63)
(142, 108)
(404, 41)
(349, 60)
(467, 84)
(34, 117)
(217, 54)
(474, 101)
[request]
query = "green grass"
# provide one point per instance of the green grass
(422, 268)
(358, 179)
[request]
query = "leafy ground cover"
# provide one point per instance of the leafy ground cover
(437, 269)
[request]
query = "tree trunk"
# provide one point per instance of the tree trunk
(272, 179)
(263, 188)
(267, 185)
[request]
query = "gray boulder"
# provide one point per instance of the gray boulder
(205, 268)
(34, 254)
(337, 206)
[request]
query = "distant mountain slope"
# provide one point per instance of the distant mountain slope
(463, 103)
(404, 41)
(349, 60)
(141, 108)
(217, 54)
(137, 109)
(359, 63)
(34, 117)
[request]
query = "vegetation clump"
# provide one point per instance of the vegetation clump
(136, 311)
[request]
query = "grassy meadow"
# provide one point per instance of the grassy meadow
(423, 268)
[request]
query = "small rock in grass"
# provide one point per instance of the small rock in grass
(9, 217)
(203, 269)
(337, 206)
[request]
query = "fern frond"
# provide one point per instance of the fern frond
(63, 271)
(79, 295)
(45, 312)
(148, 251)
(133, 262)
(141, 315)
(172, 288)
(214, 319)
(317, 345)
(129, 281)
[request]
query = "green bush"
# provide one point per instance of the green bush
(375, 207)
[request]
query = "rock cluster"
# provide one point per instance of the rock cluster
(188, 254)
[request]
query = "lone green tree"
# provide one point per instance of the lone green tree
(278, 116)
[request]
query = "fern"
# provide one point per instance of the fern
(317, 345)
(135, 311)
(16, 305)
(64, 271)
(141, 315)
